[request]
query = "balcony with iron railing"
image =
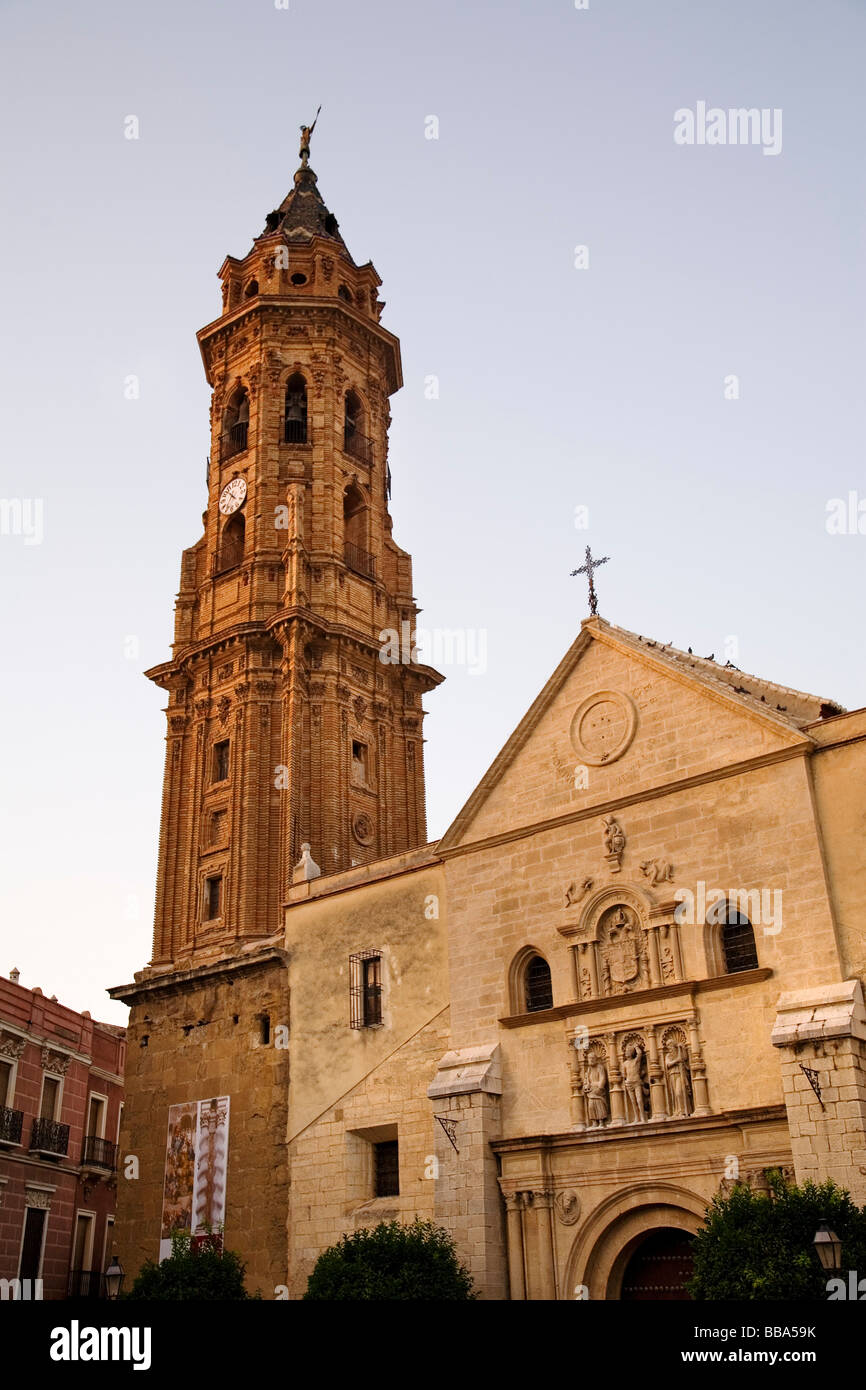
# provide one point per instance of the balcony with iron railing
(11, 1125)
(234, 440)
(98, 1153)
(294, 431)
(357, 444)
(85, 1283)
(50, 1137)
(361, 561)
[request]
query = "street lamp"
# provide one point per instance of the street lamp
(828, 1247)
(113, 1277)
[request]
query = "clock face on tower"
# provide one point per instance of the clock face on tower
(232, 496)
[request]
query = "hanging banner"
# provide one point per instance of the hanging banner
(196, 1160)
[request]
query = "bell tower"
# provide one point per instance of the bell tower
(285, 725)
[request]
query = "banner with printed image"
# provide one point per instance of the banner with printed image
(196, 1161)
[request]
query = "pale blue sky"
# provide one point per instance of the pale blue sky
(558, 387)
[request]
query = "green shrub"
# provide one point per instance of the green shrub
(757, 1246)
(392, 1261)
(205, 1271)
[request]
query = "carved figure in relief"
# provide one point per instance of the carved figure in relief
(575, 893)
(614, 838)
(657, 870)
(595, 1090)
(679, 1078)
(633, 1084)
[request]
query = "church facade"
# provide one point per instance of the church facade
(627, 975)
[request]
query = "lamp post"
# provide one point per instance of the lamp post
(828, 1247)
(113, 1278)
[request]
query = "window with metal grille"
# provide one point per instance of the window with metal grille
(537, 986)
(386, 1168)
(738, 943)
(365, 989)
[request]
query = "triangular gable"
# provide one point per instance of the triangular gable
(747, 723)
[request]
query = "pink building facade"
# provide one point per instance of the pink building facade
(61, 1098)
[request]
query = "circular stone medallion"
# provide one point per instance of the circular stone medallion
(363, 828)
(603, 727)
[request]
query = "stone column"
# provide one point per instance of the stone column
(658, 1090)
(655, 969)
(673, 933)
(593, 969)
(614, 1079)
(699, 1071)
(578, 1102)
(516, 1272)
(544, 1278)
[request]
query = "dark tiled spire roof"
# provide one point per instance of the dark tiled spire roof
(302, 214)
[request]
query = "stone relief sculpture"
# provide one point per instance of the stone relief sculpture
(595, 1091)
(659, 870)
(576, 892)
(567, 1206)
(675, 1058)
(622, 951)
(614, 843)
(634, 1083)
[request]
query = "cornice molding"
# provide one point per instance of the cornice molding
(619, 1001)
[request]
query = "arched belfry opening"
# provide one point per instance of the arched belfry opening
(232, 543)
(295, 415)
(356, 537)
(236, 423)
(355, 439)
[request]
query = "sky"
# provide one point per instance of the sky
(652, 347)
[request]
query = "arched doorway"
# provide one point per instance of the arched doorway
(658, 1267)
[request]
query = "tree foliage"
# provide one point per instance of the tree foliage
(200, 1271)
(760, 1246)
(392, 1261)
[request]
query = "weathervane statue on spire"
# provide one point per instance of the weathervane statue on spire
(306, 132)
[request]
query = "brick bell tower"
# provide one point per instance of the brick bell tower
(284, 726)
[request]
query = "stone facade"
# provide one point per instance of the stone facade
(627, 975)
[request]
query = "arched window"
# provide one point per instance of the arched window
(355, 441)
(355, 540)
(295, 420)
(345, 293)
(231, 552)
(236, 423)
(738, 943)
(537, 986)
(251, 290)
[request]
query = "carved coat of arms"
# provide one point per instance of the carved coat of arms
(622, 951)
